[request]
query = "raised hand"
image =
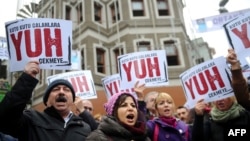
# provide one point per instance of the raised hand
(139, 90)
(32, 68)
(200, 107)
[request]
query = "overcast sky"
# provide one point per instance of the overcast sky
(204, 8)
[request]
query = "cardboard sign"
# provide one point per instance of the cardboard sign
(82, 82)
(111, 85)
(210, 81)
(216, 22)
(47, 40)
(238, 32)
(147, 67)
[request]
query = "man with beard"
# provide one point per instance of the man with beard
(56, 123)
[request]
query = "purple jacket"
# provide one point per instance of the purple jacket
(168, 133)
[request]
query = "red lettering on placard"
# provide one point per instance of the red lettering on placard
(242, 35)
(17, 44)
(113, 87)
(49, 42)
(216, 77)
(38, 43)
(80, 84)
(142, 68)
(36, 51)
(127, 69)
(204, 90)
(190, 87)
(153, 66)
(202, 86)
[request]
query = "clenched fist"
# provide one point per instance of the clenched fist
(32, 68)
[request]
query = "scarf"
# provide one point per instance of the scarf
(138, 129)
(224, 116)
(169, 120)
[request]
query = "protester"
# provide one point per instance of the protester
(146, 103)
(166, 126)
(121, 122)
(182, 113)
(57, 122)
(98, 117)
(239, 83)
(84, 109)
(226, 116)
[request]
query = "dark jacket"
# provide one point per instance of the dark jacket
(4, 137)
(240, 88)
(110, 130)
(210, 130)
(31, 125)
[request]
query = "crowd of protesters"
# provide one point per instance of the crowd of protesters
(152, 116)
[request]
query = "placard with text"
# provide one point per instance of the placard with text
(210, 80)
(238, 32)
(111, 85)
(48, 41)
(147, 67)
(82, 81)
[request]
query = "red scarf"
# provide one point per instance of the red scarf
(169, 120)
(138, 129)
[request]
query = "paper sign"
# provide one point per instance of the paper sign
(147, 67)
(244, 58)
(216, 22)
(238, 32)
(47, 40)
(111, 85)
(210, 80)
(82, 82)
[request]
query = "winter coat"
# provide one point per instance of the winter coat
(110, 130)
(31, 125)
(240, 87)
(181, 132)
(210, 130)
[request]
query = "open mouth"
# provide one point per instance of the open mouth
(130, 117)
(166, 110)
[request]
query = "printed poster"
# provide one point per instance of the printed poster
(82, 81)
(47, 40)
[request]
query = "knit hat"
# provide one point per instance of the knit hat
(109, 106)
(54, 84)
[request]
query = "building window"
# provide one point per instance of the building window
(171, 52)
(68, 12)
(82, 59)
(98, 12)
(138, 8)
(163, 8)
(143, 46)
(117, 52)
(114, 9)
(79, 13)
(100, 57)
(199, 60)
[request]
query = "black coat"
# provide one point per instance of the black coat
(110, 130)
(31, 125)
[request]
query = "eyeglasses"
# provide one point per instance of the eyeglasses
(88, 108)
